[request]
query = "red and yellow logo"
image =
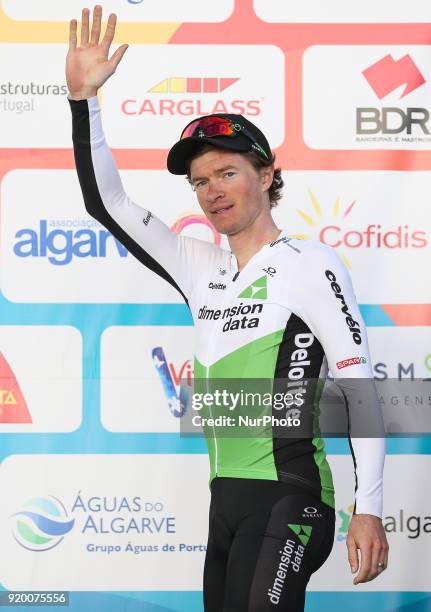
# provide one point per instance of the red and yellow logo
(193, 85)
(13, 407)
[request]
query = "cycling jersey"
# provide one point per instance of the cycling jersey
(288, 314)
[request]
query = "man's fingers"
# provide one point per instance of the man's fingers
(365, 566)
(366, 533)
(109, 33)
(85, 26)
(376, 555)
(72, 34)
(97, 22)
(118, 55)
(352, 555)
(384, 556)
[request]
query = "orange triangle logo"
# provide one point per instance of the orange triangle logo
(13, 407)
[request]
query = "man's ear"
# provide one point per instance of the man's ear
(267, 175)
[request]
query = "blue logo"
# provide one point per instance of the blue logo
(41, 524)
(59, 246)
(177, 402)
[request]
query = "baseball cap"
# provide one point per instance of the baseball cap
(225, 130)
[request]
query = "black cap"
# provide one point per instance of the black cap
(185, 148)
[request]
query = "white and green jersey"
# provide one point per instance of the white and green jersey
(289, 314)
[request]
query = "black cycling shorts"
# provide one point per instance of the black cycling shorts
(265, 540)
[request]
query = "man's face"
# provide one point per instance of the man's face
(231, 192)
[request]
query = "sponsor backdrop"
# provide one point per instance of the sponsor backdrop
(101, 496)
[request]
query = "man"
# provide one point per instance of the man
(271, 308)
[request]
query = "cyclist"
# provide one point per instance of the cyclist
(271, 307)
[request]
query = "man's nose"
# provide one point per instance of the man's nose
(215, 191)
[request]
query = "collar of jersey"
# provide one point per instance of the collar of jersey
(258, 254)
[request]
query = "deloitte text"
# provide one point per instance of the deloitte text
(61, 246)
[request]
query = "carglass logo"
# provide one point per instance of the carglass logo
(178, 85)
(187, 95)
(59, 246)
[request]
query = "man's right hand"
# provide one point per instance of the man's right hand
(88, 66)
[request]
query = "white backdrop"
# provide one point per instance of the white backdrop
(88, 443)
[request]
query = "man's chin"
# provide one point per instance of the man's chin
(227, 230)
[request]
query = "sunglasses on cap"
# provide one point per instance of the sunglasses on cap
(207, 127)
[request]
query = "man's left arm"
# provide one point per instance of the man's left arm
(327, 303)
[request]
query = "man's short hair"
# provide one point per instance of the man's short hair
(275, 189)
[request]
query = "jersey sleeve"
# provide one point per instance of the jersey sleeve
(177, 259)
(325, 300)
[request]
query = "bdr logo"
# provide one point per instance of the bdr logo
(385, 76)
(59, 246)
(359, 96)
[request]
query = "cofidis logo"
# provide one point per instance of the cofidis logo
(41, 524)
(328, 224)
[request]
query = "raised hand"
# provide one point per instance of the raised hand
(88, 65)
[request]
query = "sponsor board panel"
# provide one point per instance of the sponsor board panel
(126, 10)
(141, 370)
(400, 353)
(337, 11)
(103, 522)
(405, 518)
(52, 251)
(184, 81)
(33, 107)
(40, 378)
(376, 221)
(367, 97)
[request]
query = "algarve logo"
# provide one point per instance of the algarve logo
(257, 290)
(302, 531)
(41, 524)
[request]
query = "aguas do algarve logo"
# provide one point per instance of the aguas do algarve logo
(41, 524)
